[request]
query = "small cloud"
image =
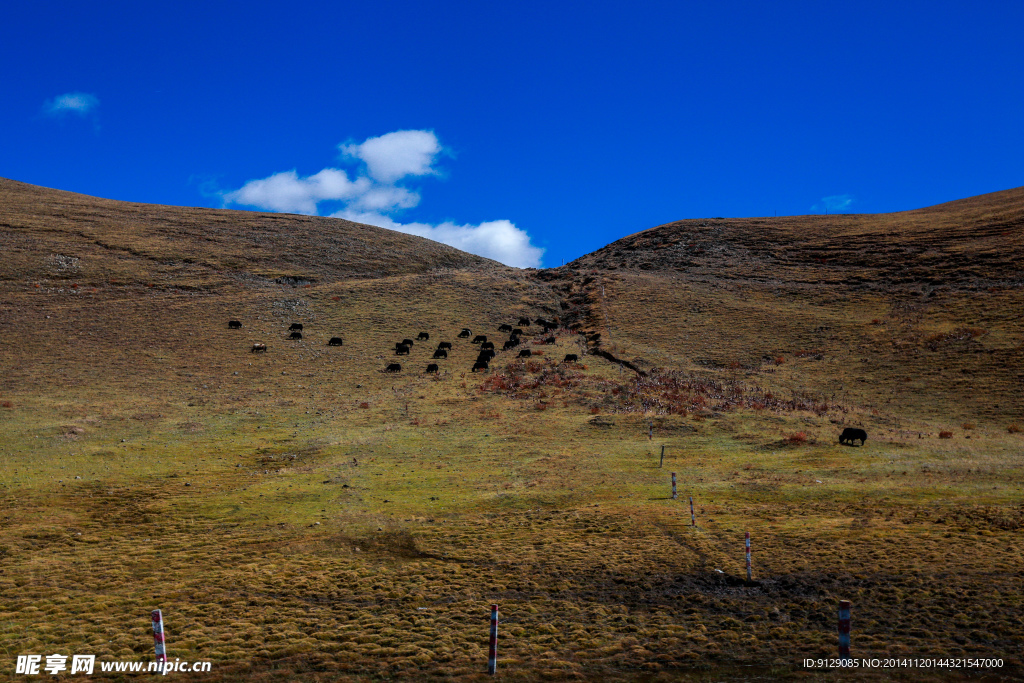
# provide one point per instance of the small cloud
(392, 156)
(834, 203)
(499, 240)
(289, 193)
(80, 103)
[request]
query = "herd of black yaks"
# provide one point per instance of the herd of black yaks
(487, 352)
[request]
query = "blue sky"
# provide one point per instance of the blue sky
(529, 132)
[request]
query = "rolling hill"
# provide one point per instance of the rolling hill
(302, 513)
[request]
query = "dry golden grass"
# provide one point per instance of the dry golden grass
(301, 515)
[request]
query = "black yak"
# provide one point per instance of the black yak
(850, 434)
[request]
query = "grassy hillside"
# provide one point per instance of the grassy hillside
(300, 514)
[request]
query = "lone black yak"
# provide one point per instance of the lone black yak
(295, 326)
(335, 341)
(440, 353)
(235, 324)
(422, 336)
(571, 358)
(525, 353)
(850, 434)
(465, 333)
(432, 368)
(393, 367)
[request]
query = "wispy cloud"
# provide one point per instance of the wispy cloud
(374, 195)
(834, 203)
(79, 103)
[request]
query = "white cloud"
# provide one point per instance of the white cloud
(289, 193)
(372, 197)
(498, 240)
(81, 103)
(393, 156)
(834, 203)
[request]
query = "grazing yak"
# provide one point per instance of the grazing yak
(465, 333)
(422, 336)
(525, 322)
(235, 324)
(295, 335)
(517, 332)
(505, 328)
(407, 342)
(440, 353)
(549, 340)
(550, 326)
(479, 339)
(485, 355)
(487, 345)
(401, 350)
(525, 353)
(258, 348)
(850, 434)
(432, 368)
(444, 345)
(335, 341)
(295, 326)
(510, 344)
(480, 365)
(393, 367)
(571, 358)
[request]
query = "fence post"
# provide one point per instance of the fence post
(693, 517)
(662, 463)
(492, 655)
(158, 635)
(674, 495)
(749, 574)
(844, 629)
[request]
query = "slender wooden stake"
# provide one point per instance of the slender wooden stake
(674, 494)
(749, 574)
(844, 629)
(693, 517)
(158, 635)
(492, 656)
(662, 463)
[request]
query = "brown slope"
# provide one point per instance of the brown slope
(969, 244)
(129, 241)
(917, 311)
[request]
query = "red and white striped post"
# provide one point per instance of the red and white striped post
(749, 574)
(158, 635)
(844, 629)
(492, 655)
(693, 517)
(674, 494)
